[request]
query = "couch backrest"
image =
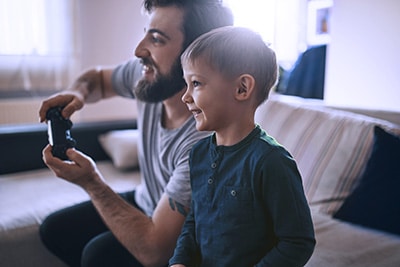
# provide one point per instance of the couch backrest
(22, 145)
(331, 147)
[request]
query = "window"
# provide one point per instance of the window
(37, 52)
(278, 21)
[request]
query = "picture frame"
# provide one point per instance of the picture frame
(318, 21)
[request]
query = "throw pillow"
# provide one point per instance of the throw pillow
(375, 202)
(121, 147)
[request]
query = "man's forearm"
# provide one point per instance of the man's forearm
(129, 225)
(94, 85)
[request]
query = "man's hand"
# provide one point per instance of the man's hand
(71, 101)
(81, 170)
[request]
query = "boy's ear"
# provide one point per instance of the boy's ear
(245, 87)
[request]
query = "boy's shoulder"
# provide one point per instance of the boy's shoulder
(268, 143)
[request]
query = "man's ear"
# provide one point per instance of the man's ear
(245, 87)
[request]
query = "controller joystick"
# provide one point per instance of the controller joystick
(59, 133)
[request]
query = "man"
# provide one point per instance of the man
(141, 227)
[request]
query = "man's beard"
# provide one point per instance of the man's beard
(163, 87)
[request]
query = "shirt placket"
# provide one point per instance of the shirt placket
(212, 179)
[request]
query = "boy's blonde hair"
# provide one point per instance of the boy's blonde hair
(234, 51)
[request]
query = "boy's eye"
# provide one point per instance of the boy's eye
(195, 83)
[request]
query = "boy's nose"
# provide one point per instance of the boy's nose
(186, 98)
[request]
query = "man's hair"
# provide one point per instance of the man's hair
(233, 51)
(200, 16)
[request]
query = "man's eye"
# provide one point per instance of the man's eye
(155, 39)
(195, 83)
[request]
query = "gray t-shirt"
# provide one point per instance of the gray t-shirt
(163, 153)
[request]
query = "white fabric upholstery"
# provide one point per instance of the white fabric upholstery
(330, 146)
(121, 147)
(341, 244)
(26, 198)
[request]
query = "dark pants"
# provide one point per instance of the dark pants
(78, 236)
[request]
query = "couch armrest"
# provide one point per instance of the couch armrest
(22, 145)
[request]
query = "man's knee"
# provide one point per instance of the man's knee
(49, 229)
(106, 250)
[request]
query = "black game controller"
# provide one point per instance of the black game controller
(59, 133)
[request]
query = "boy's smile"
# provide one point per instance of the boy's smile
(205, 93)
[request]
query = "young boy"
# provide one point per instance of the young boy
(248, 204)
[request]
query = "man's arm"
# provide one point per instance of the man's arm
(91, 86)
(150, 240)
(94, 84)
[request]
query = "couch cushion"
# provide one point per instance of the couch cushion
(22, 145)
(26, 198)
(375, 201)
(121, 147)
(330, 146)
(341, 244)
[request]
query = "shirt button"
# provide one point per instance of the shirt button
(210, 181)
(233, 193)
(214, 165)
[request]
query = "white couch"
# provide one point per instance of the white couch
(29, 195)
(332, 148)
(26, 198)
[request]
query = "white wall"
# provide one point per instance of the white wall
(363, 58)
(107, 33)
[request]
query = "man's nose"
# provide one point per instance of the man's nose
(141, 51)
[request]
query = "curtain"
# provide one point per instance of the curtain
(37, 54)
